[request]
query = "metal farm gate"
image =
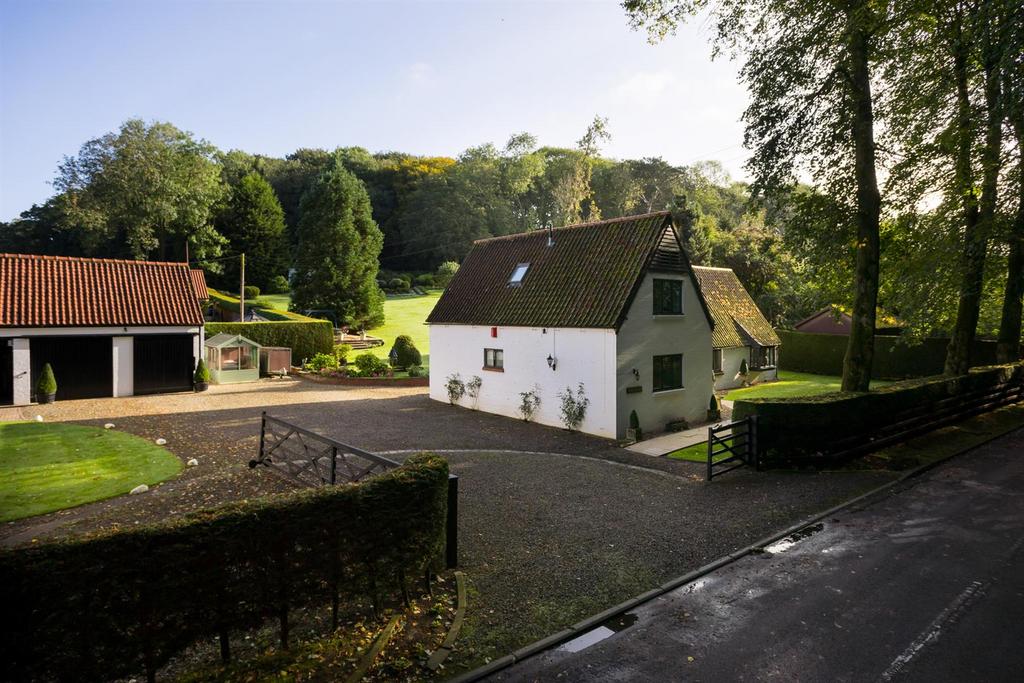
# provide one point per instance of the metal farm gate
(737, 442)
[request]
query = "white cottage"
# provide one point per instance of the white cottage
(742, 333)
(613, 305)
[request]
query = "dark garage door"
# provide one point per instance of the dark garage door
(163, 362)
(82, 366)
(6, 373)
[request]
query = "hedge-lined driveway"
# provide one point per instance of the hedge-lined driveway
(553, 526)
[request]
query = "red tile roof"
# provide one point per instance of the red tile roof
(587, 278)
(62, 291)
(199, 284)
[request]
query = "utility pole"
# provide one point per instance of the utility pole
(241, 297)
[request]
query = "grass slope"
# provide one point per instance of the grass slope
(792, 384)
(406, 315)
(47, 467)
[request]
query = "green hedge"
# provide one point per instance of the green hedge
(305, 339)
(822, 354)
(793, 429)
(123, 602)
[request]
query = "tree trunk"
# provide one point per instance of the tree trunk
(860, 350)
(977, 219)
(1008, 348)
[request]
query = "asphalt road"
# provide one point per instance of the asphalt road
(923, 584)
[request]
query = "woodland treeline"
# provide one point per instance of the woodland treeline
(892, 132)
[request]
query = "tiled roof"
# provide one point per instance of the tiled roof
(737, 318)
(587, 278)
(199, 284)
(62, 291)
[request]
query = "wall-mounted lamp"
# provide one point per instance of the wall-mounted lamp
(552, 362)
(636, 374)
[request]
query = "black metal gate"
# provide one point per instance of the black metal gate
(163, 362)
(83, 366)
(731, 446)
(6, 373)
(315, 460)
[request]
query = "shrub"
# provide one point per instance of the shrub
(574, 407)
(455, 388)
(108, 606)
(342, 352)
(368, 365)
(744, 368)
(405, 352)
(398, 284)
(305, 338)
(251, 292)
(278, 285)
(424, 280)
(808, 428)
(445, 272)
(321, 362)
(473, 389)
(202, 374)
(47, 383)
(634, 424)
(529, 403)
(417, 371)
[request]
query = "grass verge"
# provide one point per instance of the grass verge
(792, 384)
(47, 467)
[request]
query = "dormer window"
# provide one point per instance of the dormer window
(518, 274)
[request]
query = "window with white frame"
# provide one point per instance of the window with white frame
(494, 359)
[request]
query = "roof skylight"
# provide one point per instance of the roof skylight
(518, 274)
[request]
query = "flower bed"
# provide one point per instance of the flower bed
(344, 380)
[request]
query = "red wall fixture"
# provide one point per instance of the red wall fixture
(494, 332)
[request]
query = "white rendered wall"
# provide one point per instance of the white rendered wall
(124, 366)
(22, 371)
(732, 359)
(644, 335)
(582, 355)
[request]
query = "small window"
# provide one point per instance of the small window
(716, 361)
(668, 297)
(494, 359)
(668, 372)
(518, 274)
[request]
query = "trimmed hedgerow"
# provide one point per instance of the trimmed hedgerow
(794, 429)
(305, 339)
(822, 354)
(122, 602)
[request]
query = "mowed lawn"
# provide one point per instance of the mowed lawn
(406, 315)
(792, 384)
(47, 467)
(402, 315)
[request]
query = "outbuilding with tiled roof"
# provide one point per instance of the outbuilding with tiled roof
(107, 327)
(742, 333)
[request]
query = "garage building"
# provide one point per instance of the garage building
(108, 327)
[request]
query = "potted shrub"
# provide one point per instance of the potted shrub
(634, 427)
(46, 387)
(714, 409)
(201, 378)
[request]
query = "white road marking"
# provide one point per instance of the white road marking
(934, 630)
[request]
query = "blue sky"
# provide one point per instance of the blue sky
(420, 77)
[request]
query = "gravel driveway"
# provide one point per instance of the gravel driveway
(553, 526)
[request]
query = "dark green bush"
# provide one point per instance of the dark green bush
(202, 374)
(119, 603)
(251, 292)
(405, 352)
(804, 428)
(424, 280)
(278, 285)
(822, 354)
(398, 284)
(417, 371)
(634, 424)
(342, 352)
(305, 338)
(368, 365)
(47, 384)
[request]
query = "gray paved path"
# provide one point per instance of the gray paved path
(924, 584)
